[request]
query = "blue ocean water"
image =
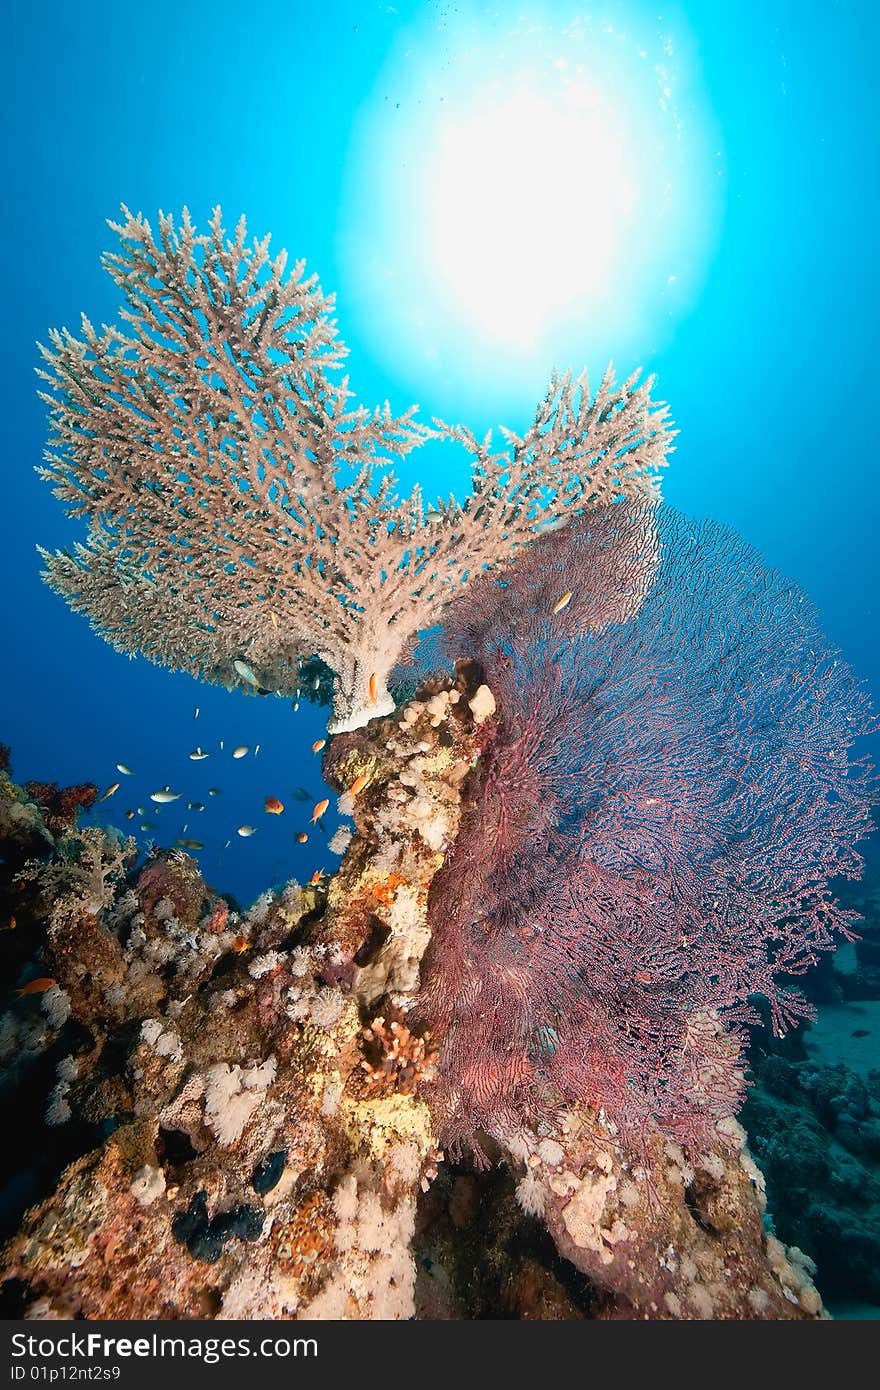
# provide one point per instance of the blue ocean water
(691, 187)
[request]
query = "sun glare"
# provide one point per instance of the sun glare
(530, 199)
(528, 194)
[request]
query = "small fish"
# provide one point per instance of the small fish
(198, 755)
(562, 602)
(358, 784)
(163, 797)
(302, 837)
(301, 794)
(246, 830)
(433, 515)
(38, 986)
(109, 792)
(319, 810)
(856, 1032)
(295, 706)
(189, 844)
(213, 791)
(196, 712)
(374, 687)
(318, 744)
(274, 616)
(241, 752)
(129, 815)
(245, 672)
(240, 945)
(221, 745)
(257, 749)
(195, 805)
(11, 924)
(273, 806)
(142, 810)
(149, 825)
(126, 771)
(316, 877)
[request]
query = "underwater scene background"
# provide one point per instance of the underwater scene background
(493, 192)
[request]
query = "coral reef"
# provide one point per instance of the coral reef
(241, 512)
(61, 805)
(254, 1132)
(491, 1067)
(251, 1164)
(813, 1118)
(816, 1132)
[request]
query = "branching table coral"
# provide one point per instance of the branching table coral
(241, 511)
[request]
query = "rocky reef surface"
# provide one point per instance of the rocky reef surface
(813, 1117)
(223, 1115)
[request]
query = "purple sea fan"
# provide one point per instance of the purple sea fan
(649, 838)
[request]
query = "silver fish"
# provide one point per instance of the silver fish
(164, 797)
(245, 672)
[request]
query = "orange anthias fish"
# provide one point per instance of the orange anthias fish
(109, 792)
(319, 810)
(358, 784)
(316, 877)
(374, 687)
(240, 945)
(302, 837)
(36, 986)
(318, 745)
(562, 603)
(273, 806)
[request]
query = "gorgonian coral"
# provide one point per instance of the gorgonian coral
(664, 795)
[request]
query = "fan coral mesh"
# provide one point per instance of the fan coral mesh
(649, 840)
